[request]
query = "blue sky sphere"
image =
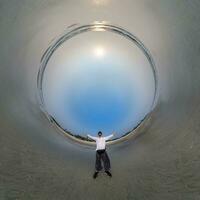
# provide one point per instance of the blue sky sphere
(98, 81)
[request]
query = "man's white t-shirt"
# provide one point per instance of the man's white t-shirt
(100, 141)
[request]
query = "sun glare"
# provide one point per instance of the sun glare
(99, 52)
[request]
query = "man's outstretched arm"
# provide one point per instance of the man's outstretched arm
(92, 137)
(108, 137)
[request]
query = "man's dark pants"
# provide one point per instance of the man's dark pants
(101, 155)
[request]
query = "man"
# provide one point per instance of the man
(101, 154)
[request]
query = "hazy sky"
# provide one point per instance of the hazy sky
(98, 81)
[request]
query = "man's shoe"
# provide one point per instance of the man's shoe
(108, 173)
(95, 174)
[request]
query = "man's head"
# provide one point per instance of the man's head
(99, 133)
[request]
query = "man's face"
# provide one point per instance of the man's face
(99, 134)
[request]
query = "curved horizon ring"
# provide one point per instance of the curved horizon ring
(75, 30)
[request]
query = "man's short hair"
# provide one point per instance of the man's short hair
(99, 133)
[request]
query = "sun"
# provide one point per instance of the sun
(99, 51)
